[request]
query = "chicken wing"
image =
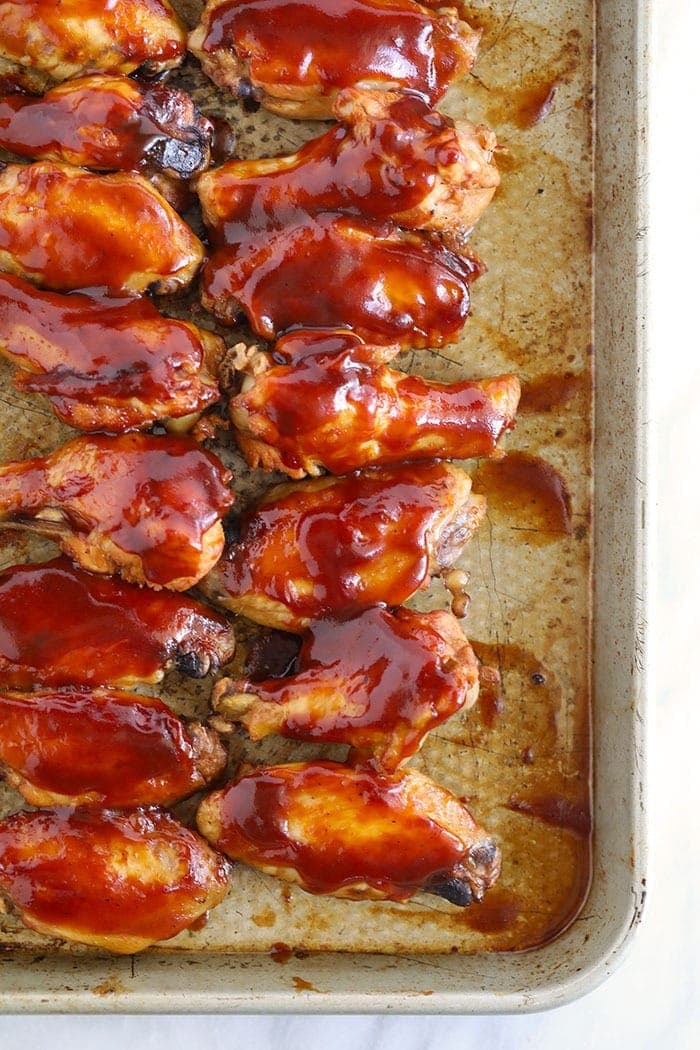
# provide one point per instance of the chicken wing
(110, 123)
(295, 55)
(390, 157)
(62, 626)
(388, 285)
(73, 37)
(377, 681)
(107, 363)
(334, 546)
(80, 747)
(119, 881)
(66, 229)
(352, 832)
(340, 411)
(146, 507)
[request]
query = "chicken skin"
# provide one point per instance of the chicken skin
(390, 157)
(294, 56)
(146, 507)
(81, 747)
(67, 229)
(62, 626)
(352, 832)
(340, 411)
(388, 285)
(118, 881)
(377, 681)
(107, 363)
(110, 123)
(67, 39)
(335, 546)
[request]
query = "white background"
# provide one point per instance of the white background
(654, 999)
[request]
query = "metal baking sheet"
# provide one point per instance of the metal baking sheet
(533, 610)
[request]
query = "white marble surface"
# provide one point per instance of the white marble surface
(654, 999)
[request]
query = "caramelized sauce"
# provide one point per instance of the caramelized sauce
(76, 230)
(491, 703)
(272, 654)
(498, 911)
(258, 811)
(533, 104)
(322, 45)
(550, 392)
(345, 412)
(59, 741)
(131, 364)
(527, 493)
(389, 287)
(61, 626)
(386, 167)
(131, 874)
(281, 953)
(557, 810)
(324, 548)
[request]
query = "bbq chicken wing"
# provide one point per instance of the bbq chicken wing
(377, 681)
(110, 123)
(94, 231)
(294, 56)
(334, 546)
(389, 286)
(77, 747)
(342, 411)
(119, 881)
(107, 364)
(352, 832)
(390, 157)
(72, 37)
(146, 507)
(62, 626)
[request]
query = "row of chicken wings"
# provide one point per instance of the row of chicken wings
(338, 256)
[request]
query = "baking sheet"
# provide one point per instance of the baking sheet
(522, 758)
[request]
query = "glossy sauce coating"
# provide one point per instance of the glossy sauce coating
(61, 626)
(108, 123)
(74, 36)
(68, 229)
(98, 747)
(322, 45)
(377, 681)
(339, 828)
(118, 880)
(341, 411)
(334, 546)
(383, 160)
(388, 286)
(153, 498)
(106, 364)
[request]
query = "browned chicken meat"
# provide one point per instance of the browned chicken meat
(65, 229)
(295, 55)
(119, 881)
(336, 409)
(390, 157)
(59, 39)
(378, 681)
(334, 546)
(81, 747)
(146, 507)
(353, 832)
(62, 626)
(105, 363)
(110, 123)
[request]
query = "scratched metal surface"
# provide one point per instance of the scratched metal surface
(530, 565)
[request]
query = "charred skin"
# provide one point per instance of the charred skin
(103, 748)
(146, 507)
(334, 546)
(376, 681)
(295, 60)
(352, 833)
(118, 881)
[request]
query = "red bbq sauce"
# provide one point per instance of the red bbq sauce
(323, 45)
